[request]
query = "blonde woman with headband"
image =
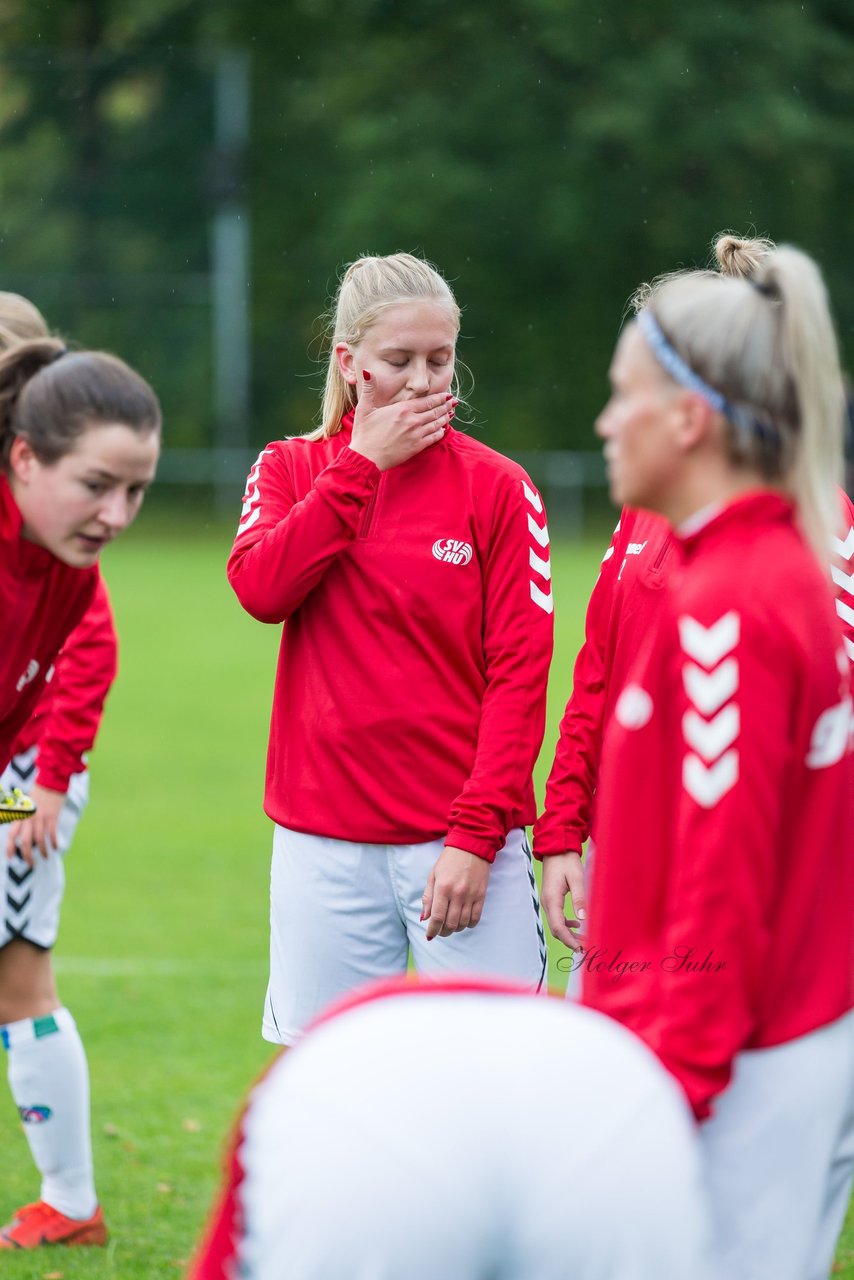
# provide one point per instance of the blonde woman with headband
(409, 564)
(721, 918)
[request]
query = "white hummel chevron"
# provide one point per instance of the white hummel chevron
(542, 598)
(709, 690)
(251, 512)
(534, 498)
(709, 644)
(539, 533)
(542, 567)
(846, 548)
(843, 580)
(608, 554)
(845, 612)
(708, 785)
(710, 738)
(849, 647)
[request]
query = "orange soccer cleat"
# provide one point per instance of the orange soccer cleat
(38, 1224)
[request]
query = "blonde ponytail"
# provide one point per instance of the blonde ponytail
(759, 332)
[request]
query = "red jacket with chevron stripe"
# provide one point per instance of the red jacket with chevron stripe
(411, 687)
(722, 906)
(622, 617)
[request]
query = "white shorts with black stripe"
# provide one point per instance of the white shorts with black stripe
(344, 913)
(32, 895)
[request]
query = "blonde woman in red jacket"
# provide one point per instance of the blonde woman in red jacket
(79, 440)
(721, 925)
(409, 564)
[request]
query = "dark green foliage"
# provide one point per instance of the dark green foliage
(548, 156)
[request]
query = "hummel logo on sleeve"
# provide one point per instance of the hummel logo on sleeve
(539, 560)
(711, 725)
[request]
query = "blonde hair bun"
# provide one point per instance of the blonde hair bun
(740, 258)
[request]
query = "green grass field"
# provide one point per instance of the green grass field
(162, 953)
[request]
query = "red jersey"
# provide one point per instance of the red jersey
(411, 687)
(622, 619)
(722, 905)
(66, 720)
(41, 601)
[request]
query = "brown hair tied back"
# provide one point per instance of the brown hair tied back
(50, 395)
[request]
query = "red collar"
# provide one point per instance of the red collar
(756, 509)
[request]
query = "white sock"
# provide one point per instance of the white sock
(49, 1079)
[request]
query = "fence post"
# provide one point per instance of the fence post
(230, 269)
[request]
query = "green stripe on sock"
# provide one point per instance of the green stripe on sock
(44, 1026)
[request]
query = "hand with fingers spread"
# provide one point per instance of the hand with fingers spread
(454, 896)
(562, 875)
(389, 434)
(39, 833)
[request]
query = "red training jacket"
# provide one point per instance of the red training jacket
(722, 905)
(41, 601)
(411, 687)
(66, 721)
(623, 617)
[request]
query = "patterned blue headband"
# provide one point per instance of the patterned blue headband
(746, 421)
(672, 363)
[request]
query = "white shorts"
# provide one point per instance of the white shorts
(32, 895)
(342, 914)
(779, 1157)
(470, 1135)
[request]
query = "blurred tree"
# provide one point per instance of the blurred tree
(106, 116)
(548, 157)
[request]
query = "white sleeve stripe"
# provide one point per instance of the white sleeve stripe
(843, 580)
(708, 785)
(539, 534)
(542, 567)
(845, 612)
(846, 548)
(544, 599)
(534, 498)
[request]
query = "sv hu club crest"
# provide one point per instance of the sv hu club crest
(452, 551)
